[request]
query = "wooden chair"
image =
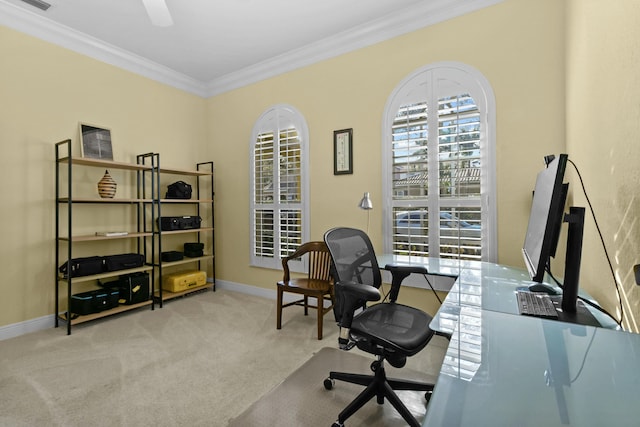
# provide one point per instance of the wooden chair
(317, 283)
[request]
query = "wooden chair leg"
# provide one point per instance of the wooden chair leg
(320, 304)
(279, 309)
(306, 305)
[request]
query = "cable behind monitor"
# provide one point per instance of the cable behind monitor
(613, 275)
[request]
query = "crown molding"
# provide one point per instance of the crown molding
(403, 22)
(31, 23)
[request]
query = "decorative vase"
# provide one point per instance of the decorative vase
(107, 186)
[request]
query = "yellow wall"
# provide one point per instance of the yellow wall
(603, 133)
(516, 45)
(526, 49)
(44, 92)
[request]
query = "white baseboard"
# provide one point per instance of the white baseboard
(257, 291)
(246, 289)
(33, 325)
(21, 328)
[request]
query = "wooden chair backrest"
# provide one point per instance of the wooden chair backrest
(319, 267)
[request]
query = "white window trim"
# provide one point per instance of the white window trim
(480, 89)
(280, 112)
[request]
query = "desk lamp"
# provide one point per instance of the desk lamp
(365, 203)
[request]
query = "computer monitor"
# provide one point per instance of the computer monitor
(545, 218)
(545, 221)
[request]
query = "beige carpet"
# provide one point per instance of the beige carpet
(199, 361)
(302, 400)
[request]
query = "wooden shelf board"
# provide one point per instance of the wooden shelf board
(105, 275)
(186, 201)
(91, 237)
(166, 295)
(119, 309)
(186, 172)
(186, 260)
(191, 230)
(96, 200)
(105, 163)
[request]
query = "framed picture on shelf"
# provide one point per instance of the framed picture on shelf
(343, 152)
(95, 142)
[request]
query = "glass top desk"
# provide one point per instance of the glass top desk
(479, 286)
(504, 370)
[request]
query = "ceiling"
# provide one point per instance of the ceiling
(218, 45)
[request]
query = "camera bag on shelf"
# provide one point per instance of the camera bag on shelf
(170, 256)
(123, 261)
(134, 288)
(93, 301)
(82, 267)
(178, 190)
(193, 250)
(187, 222)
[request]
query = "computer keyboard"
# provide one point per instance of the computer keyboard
(536, 304)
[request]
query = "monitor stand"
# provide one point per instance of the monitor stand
(582, 315)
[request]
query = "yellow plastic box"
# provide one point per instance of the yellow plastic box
(184, 280)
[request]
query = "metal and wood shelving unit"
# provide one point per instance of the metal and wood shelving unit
(146, 235)
(202, 205)
(67, 241)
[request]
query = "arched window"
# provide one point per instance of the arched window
(439, 165)
(279, 185)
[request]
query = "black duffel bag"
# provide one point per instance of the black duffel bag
(82, 267)
(178, 190)
(123, 261)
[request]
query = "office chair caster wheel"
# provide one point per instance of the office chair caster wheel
(328, 384)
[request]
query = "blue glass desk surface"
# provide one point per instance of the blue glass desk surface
(436, 266)
(503, 370)
(479, 285)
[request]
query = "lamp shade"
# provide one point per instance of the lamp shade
(365, 202)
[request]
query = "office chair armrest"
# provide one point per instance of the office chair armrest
(360, 291)
(398, 274)
(349, 297)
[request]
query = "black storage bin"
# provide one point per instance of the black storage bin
(93, 301)
(82, 267)
(134, 288)
(171, 256)
(193, 250)
(123, 261)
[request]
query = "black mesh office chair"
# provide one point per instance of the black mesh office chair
(389, 330)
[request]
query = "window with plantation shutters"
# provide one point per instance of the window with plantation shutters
(439, 169)
(279, 208)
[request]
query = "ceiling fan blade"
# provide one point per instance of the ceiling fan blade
(158, 12)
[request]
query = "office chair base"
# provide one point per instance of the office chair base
(381, 387)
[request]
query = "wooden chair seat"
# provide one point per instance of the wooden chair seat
(317, 284)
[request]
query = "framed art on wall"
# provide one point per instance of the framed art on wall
(343, 152)
(95, 142)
